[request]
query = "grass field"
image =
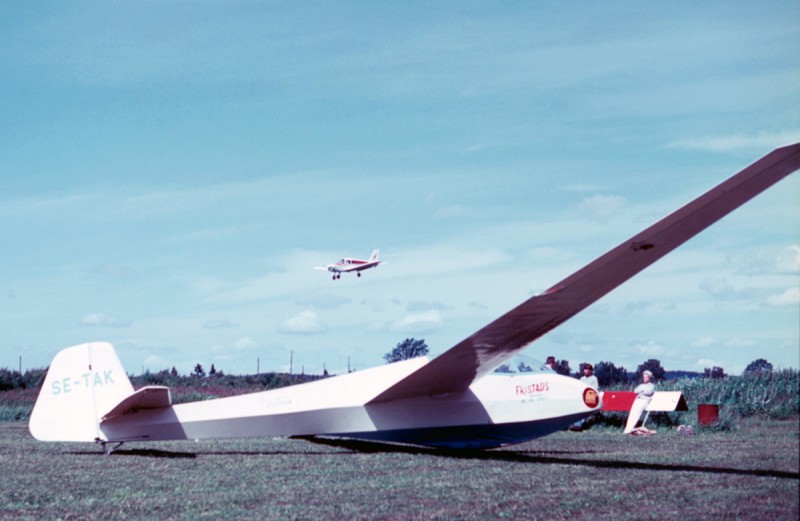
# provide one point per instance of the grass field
(752, 472)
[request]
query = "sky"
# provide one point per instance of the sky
(172, 172)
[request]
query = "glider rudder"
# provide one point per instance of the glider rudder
(83, 383)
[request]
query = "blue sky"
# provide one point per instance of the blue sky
(171, 172)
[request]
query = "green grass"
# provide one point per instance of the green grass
(750, 473)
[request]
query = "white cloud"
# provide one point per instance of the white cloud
(323, 301)
(220, 323)
(245, 343)
(304, 323)
(718, 288)
(419, 305)
(156, 363)
(706, 362)
(705, 342)
(99, 319)
(740, 343)
(450, 211)
(789, 260)
(650, 348)
(790, 297)
(602, 206)
(648, 308)
(419, 322)
(446, 258)
(205, 284)
(759, 141)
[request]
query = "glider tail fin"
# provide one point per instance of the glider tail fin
(83, 383)
(374, 255)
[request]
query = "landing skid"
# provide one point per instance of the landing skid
(108, 447)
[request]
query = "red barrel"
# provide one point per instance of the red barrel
(707, 413)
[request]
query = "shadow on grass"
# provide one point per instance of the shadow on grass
(360, 446)
(142, 453)
(522, 457)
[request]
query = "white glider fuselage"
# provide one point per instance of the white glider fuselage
(87, 396)
(496, 410)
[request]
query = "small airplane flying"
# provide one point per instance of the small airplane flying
(456, 400)
(349, 265)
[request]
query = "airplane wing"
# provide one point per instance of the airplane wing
(488, 348)
(367, 265)
(359, 266)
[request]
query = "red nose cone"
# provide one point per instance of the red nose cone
(591, 398)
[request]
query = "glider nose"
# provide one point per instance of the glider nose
(591, 398)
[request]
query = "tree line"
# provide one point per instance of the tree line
(608, 374)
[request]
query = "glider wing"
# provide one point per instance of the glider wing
(488, 348)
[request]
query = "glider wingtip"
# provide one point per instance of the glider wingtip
(789, 146)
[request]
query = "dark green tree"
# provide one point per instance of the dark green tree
(654, 366)
(10, 380)
(758, 366)
(714, 372)
(199, 372)
(562, 367)
(408, 348)
(609, 374)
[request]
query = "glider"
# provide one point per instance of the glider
(456, 400)
(347, 265)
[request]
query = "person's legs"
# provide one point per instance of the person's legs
(636, 412)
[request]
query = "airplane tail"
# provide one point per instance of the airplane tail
(374, 255)
(84, 382)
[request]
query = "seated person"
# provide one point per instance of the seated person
(644, 393)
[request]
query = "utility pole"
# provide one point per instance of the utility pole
(291, 360)
(258, 365)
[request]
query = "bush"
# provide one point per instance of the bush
(774, 394)
(14, 413)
